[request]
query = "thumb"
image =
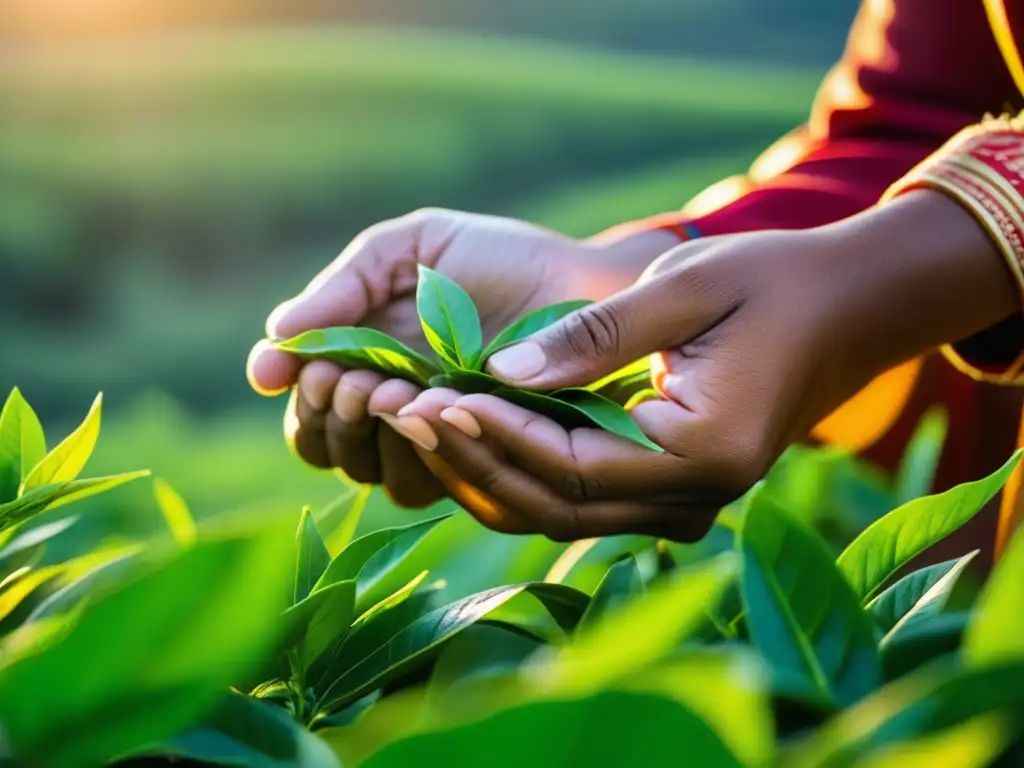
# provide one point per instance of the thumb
(603, 337)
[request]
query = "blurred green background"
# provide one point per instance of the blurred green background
(170, 171)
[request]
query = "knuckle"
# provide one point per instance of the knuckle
(577, 486)
(596, 330)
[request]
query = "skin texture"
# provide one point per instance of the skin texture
(754, 338)
(346, 419)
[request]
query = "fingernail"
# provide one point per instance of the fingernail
(413, 428)
(522, 361)
(406, 410)
(462, 420)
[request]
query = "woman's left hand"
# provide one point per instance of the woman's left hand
(754, 341)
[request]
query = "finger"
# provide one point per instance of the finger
(378, 264)
(271, 371)
(304, 431)
(316, 384)
(405, 479)
(351, 431)
(580, 464)
(605, 336)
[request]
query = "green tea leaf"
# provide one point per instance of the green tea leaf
(920, 461)
(67, 460)
(22, 444)
(620, 584)
(929, 605)
(609, 728)
(994, 634)
(342, 517)
(56, 495)
(362, 348)
(546, 612)
(313, 557)
(175, 513)
(467, 382)
(370, 558)
(974, 744)
(26, 548)
(449, 319)
(801, 612)
(921, 642)
(197, 621)
(573, 408)
(531, 323)
(889, 608)
(245, 732)
(891, 542)
(313, 624)
(95, 582)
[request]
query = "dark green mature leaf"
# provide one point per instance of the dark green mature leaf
(531, 323)
(246, 733)
(370, 558)
(548, 612)
(802, 614)
(891, 542)
(620, 584)
(920, 461)
(927, 702)
(313, 557)
(67, 460)
(890, 607)
(420, 641)
(994, 634)
(56, 495)
(362, 348)
(449, 319)
(574, 408)
(921, 642)
(313, 624)
(929, 605)
(197, 621)
(467, 382)
(22, 444)
(610, 728)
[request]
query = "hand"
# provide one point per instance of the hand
(508, 267)
(755, 340)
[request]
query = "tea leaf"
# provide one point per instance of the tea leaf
(802, 614)
(245, 732)
(349, 507)
(316, 622)
(313, 557)
(573, 408)
(467, 382)
(22, 444)
(362, 348)
(894, 540)
(921, 458)
(907, 594)
(95, 582)
(531, 323)
(370, 558)
(625, 383)
(25, 549)
(56, 495)
(175, 513)
(620, 584)
(546, 612)
(67, 460)
(449, 319)
(994, 634)
(973, 744)
(921, 642)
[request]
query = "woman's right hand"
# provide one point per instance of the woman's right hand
(340, 418)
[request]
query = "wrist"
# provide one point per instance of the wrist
(621, 258)
(922, 272)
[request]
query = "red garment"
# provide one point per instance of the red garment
(914, 73)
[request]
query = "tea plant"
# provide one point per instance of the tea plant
(452, 328)
(245, 641)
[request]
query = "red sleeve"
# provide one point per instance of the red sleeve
(914, 73)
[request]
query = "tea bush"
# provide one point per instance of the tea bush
(794, 634)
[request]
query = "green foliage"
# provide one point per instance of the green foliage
(452, 328)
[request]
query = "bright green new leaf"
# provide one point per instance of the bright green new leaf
(175, 513)
(22, 584)
(889, 608)
(362, 348)
(467, 382)
(973, 744)
(531, 323)
(64, 463)
(994, 634)
(25, 549)
(22, 444)
(637, 373)
(920, 460)
(928, 605)
(370, 558)
(420, 641)
(609, 728)
(342, 516)
(620, 584)
(56, 495)
(449, 319)
(612, 649)
(197, 621)
(94, 582)
(891, 542)
(801, 612)
(312, 559)
(244, 732)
